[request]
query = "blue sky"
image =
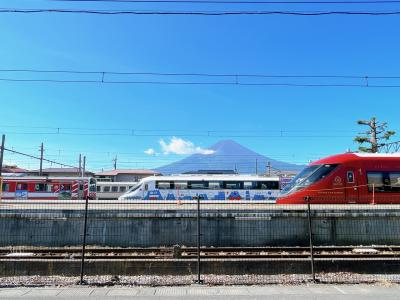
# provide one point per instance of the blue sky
(283, 45)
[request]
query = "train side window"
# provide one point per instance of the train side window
(375, 179)
(49, 188)
(22, 186)
(268, 185)
(249, 185)
(98, 188)
(40, 187)
(163, 185)
(350, 177)
(114, 189)
(6, 187)
(395, 182)
(146, 187)
(106, 189)
(181, 185)
(233, 185)
(214, 185)
(198, 185)
(122, 189)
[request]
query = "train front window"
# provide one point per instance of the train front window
(307, 177)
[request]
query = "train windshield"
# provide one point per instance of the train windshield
(307, 177)
(134, 188)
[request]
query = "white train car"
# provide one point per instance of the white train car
(212, 188)
(112, 190)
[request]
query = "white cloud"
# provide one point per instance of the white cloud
(150, 151)
(182, 147)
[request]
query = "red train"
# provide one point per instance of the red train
(48, 188)
(347, 178)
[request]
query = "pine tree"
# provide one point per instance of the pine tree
(373, 136)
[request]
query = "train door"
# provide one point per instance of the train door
(352, 187)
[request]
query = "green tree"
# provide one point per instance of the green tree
(377, 132)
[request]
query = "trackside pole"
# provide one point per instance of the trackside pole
(3, 140)
(310, 238)
(198, 281)
(84, 242)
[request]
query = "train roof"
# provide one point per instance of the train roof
(210, 177)
(347, 157)
(23, 178)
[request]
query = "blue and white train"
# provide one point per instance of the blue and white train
(207, 187)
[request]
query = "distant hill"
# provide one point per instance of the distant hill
(228, 155)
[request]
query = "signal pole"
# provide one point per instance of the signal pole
(115, 162)
(3, 140)
(84, 166)
(41, 160)
(80, 165)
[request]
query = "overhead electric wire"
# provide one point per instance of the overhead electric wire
(198, 78)
(199, 13)
(105, 72)
(36, 157)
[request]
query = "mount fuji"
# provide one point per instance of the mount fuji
(228, 155)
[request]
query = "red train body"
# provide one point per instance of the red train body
(347, 178)
(47, 188)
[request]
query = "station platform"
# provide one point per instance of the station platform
(299, 292)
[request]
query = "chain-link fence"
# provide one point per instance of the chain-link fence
(187, 241)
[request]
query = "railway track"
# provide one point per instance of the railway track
(375, 252)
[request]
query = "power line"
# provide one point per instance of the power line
(105, 72)
(198, 78)
(197, 13)
(39, 158)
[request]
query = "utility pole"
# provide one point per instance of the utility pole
(84, 166)
(80, 165)
(115, 162)
(41, 160)
(3, 140)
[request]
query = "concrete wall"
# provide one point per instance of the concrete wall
(155, 228)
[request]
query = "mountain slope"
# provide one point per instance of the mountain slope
(228, 155)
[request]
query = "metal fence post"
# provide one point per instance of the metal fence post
(198, 281)
(84, 242)
(310, 235)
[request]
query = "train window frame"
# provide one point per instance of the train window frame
(106, 189)
(5, 187)
(181, 185)
(249, 185)
(350, 177)
(49, 188)
(377, 189)
(98, 189)
(114, 189)
(215, 185)
(197, 185)
(40, 187)
(269, 185)
(239, 185)
(394, 188)
(164, 185)
(122, 189)
(21, 184)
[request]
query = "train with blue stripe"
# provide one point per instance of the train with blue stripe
(207, 187)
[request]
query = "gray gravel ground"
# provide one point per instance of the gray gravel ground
(151, 280)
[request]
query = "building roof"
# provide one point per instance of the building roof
(127, 171)
(12, 169)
